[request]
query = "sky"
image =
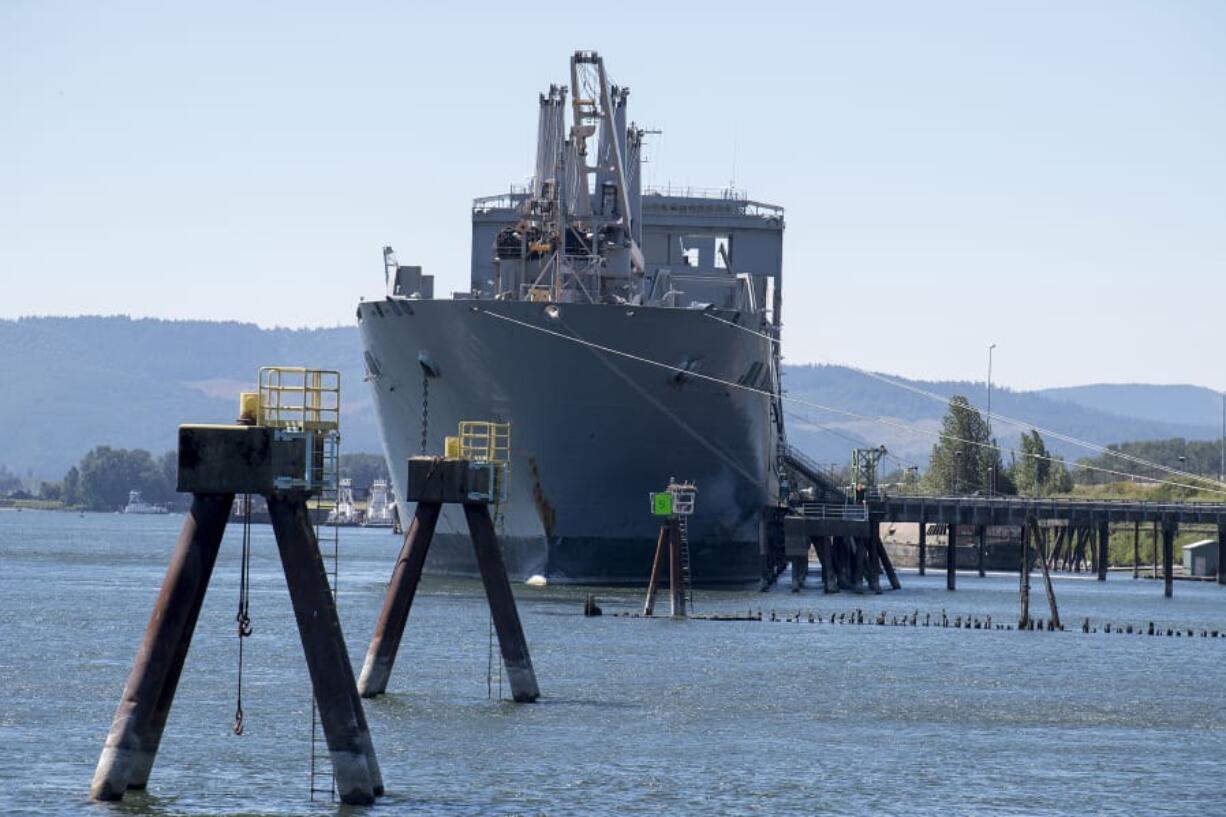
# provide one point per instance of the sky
(1046, 176)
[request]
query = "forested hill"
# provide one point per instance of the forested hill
(73, 383)
(1101, 414)
(69, 384)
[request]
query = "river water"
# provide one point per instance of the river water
(637, 716)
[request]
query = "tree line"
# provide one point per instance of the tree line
(967, 459)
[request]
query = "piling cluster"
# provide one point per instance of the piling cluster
(944, 620)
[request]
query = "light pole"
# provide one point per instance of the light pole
(991, 471)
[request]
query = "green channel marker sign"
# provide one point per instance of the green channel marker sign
(662, 504)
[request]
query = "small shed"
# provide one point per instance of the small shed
(1200, 558)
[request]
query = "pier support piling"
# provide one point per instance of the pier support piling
(433, 482)
(923, 545)
(511, 640)
(1104, 549)
(649, 606)
(406, 576)
(136, 732)
(886, 563)
(1136, 550)
(1028, 530)
(951, 558)
(676, 581)
(1168, 559)
(981, 535)
(358, 779)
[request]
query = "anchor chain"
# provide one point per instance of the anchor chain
(425, 408)
(243, 617)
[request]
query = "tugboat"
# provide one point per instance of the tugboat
(140, 506)
(345, 513)
(379, 508)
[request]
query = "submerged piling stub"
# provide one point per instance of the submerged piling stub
(215, 463)
(473, 484)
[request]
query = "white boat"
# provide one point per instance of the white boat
(345, 512)
(379, 506)
(138, 505)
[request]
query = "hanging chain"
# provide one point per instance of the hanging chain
(489, 663)
(243, 617)
(425, 408)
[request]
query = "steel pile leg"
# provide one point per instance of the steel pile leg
(511, 640)
(358, 779)
(399, 601)
(131, 747)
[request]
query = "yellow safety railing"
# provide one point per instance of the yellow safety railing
(487, 442)
(483, 441)
(300, 399)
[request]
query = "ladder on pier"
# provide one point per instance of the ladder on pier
(328, 534)
(686, 574)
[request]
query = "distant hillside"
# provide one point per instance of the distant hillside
(72, 383)
(1191, 405)
(829, 436)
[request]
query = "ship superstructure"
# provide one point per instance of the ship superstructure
(627, 335)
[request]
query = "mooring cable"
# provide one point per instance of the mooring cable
(795, 400)
(1101, 449)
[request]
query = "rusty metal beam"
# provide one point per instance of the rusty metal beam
(511, 640)
(399, 601)
(358, 779)
(132, 744)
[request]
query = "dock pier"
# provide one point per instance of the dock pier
(1082, 532)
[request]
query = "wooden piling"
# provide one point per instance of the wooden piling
(830, 580)
(1023, 619)
(653, 583)
(136, 731)
(981, 533)
(1104, 549)
(886, 562)
(1155, 552)
(1051, 596)
(923, 545)
(1168, 558)
(406, 576)
(872, 561)
(1136, 550)
(951, 558)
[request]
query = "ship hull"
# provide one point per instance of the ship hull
(595, 427)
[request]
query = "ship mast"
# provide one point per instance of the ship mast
(578, 233)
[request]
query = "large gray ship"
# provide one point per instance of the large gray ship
(628, 336)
